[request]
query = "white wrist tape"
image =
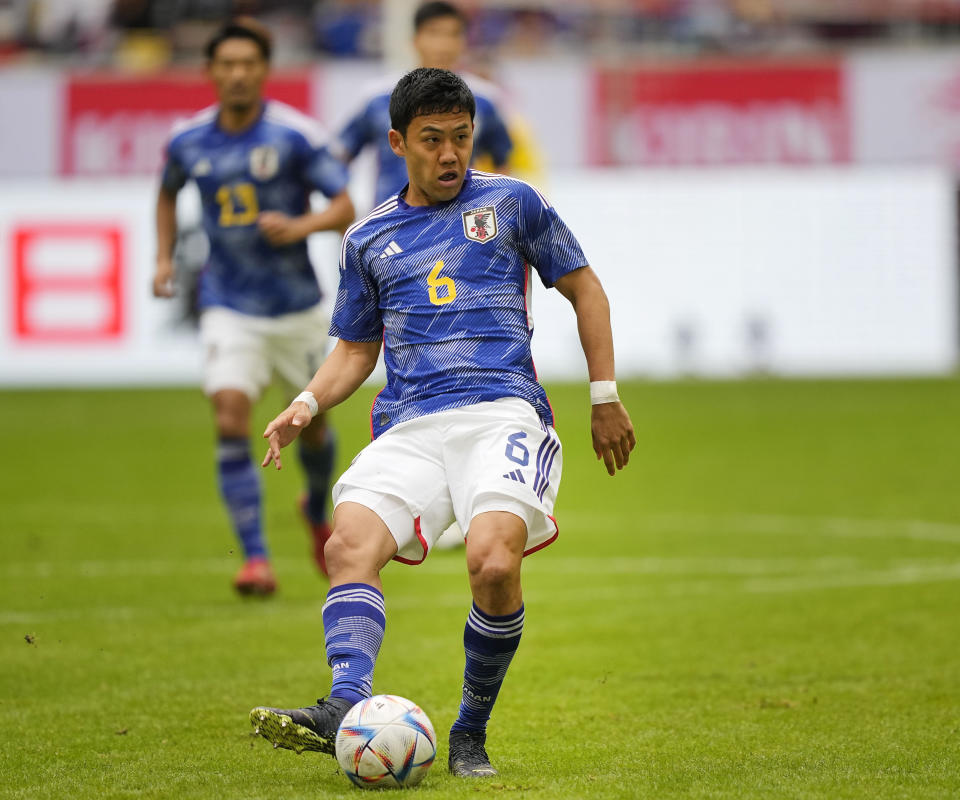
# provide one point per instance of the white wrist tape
(603, 392)
(310, 400)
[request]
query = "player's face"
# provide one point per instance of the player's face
(437, 148)
(440, 42)
(238, 70)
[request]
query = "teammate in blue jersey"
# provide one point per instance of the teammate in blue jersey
(440, 276)
(255, 162)
(440, 36)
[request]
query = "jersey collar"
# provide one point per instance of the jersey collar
(245, 131)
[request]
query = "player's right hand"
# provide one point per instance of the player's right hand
(284, 429)
(163, 278)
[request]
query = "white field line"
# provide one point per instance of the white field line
(917, 530)
(222, 615)
(702, 575)
(897, 576)
(445, 564)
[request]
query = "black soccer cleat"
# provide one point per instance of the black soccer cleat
(468, 758)
(311, 728)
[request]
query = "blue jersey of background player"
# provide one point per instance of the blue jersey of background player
(255, 163)
(440, 40)
(272, 165)
(439, 275)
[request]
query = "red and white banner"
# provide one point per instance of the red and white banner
(715, 114)
(119, 126)
(68, 281)
(875, 108)
(76, 305)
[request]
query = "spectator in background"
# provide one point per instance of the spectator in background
(440, 39)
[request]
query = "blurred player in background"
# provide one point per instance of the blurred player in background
(439, 274)
(440, 39)
(255, 162)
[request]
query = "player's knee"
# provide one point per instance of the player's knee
(354, 549)
(230, 424)
(342, 547)
(493, 568)
(231, 413)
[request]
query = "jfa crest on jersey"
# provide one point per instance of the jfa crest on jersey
(480, 224)
(447, 287)
(264, 162)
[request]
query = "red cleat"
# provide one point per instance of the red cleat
(319, 532)
(255, 578)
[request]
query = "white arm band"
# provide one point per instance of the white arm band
(309, 400)
(603, 392)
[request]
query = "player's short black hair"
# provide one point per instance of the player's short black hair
(426, 90)
(241, 28)
(434, 10)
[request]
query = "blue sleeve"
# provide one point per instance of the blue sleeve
(174, 174)
(494, 137)
(356, 314)
(545, 240)
(353, 136)
(323, 171)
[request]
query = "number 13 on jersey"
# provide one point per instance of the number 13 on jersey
(435, 283)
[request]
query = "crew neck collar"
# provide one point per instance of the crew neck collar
(243, 131)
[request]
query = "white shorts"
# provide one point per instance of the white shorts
(453, 465)
(243, 352)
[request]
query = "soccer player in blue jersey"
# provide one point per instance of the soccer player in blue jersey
(440, 276)
(440, 38)
(255, 162)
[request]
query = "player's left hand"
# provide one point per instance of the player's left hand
(613, 437)
(280, 229)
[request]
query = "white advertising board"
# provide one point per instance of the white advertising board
(76, 303)
(709, 272)
(727, 272)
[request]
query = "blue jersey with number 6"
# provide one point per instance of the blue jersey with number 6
(273, 165)
(448, 289)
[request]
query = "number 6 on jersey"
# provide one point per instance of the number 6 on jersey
(435, 282)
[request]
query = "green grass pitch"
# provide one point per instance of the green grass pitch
(765, 604)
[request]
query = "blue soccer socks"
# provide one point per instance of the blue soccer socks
(489, 643)
(353, 622)
(318, 464)
(240, 488)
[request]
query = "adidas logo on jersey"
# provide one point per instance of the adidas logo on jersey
(516, 475)
(392, 249)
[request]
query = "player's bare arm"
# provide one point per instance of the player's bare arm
(281, 229)
(610, 424)
(166, 221)
(340, 375)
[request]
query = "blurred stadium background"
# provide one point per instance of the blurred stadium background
(766, 186)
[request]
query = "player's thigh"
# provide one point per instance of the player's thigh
(502, 458)
(297, 346)
(234, 352)
(400, 476)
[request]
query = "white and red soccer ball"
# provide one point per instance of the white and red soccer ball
(386, 742)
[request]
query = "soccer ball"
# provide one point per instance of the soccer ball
(386, 742)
